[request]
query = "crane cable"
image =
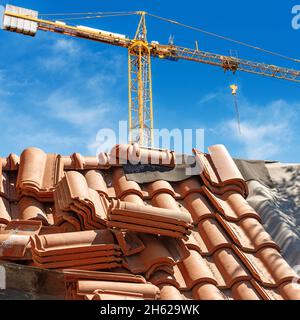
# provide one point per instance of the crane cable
(224, 38)
(99, 16)
(234, 89)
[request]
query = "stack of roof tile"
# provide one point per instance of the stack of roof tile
(82, 285)
(15, 239)
(219, 172)
(136, 154)
(73, 196)
(87, 250)
(38, 173)
(160, 253)
(148, 219)
(192, 239)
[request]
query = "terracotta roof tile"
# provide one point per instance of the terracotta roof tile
(198, 206)
(232, 205)
(123, 186)
(248, 234)
(14, 246)
(38, 173)
(5, 211)
(147, 291)
(135, 154)
(96, 181)
(212, 235)
(244, 290)
(24, 227)
(196, 238)
(207, 291)
(230, 267)
(148, 219)
(169, 292)
(219, 172)
(268, 267)
(158, 251)
(129, 242)
(194, 270)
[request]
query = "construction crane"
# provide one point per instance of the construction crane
(140, 51)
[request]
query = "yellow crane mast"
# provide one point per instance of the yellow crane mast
(140, 52)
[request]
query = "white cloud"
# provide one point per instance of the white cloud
(208, 97)
(66, 45)
(70, 109)
(76, 92)
(266, 131)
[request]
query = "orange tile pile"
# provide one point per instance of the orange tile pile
(193, 239)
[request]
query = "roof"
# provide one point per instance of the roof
(114, 238)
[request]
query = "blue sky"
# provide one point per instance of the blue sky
(57, 92)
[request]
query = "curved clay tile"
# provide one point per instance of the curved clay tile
(244, 291)
(226, 168)
(38, 173)
(91, 163)
(230, 266)
(257, 234)
(32, 209)
(96, 181)
(169, 292)
(11, 163)
(148, 212)
(104, 159)
(277, 266)
(113, 295)
(196, 242)
(156, 156)
(158, 267)
(161, 277)
(248, 234)
(232, 205)
(124, 186)
(73, 242)
(5, 212)
(160, 186)
(190, 185)
(290, 290)
(194, 270)
(218, 170)
(155, 253)
(133, 198)
(165, 200)
(212, 235)
(67, 162)
(4, 185)
(256, 267)
(32, 167)
(240, 206)
(199, 207)
(205, 168)
(149, 291)
(13, 245)
(78, 161)
(207, 291)
(122, 154)
(96, 263)
(77, 185)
